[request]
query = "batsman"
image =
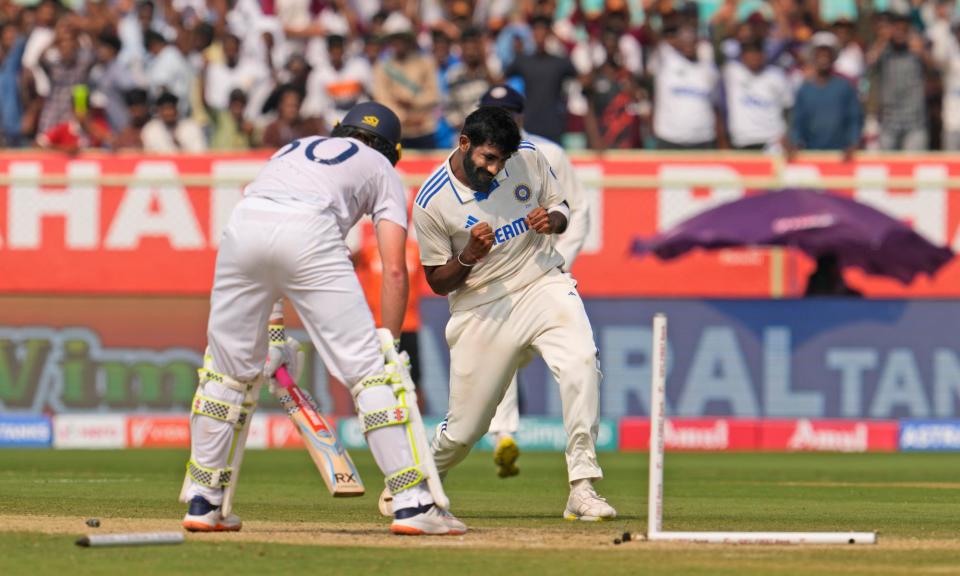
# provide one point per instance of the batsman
(286, 239)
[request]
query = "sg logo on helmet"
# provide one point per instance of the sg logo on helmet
(371, 121)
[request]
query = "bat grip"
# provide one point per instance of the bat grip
(283, 377)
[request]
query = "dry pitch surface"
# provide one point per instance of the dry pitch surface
(910, 499)
(326, 534)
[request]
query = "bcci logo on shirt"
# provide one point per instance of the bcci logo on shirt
(371, 121)
(522, 193)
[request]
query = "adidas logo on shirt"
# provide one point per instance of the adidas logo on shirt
(470, 221)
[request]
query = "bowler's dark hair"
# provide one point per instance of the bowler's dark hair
(494, 126)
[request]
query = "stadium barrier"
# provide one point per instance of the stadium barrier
(134, 224)
(741, 359)
(120, 431)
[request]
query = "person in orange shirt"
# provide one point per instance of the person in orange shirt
(370, 271)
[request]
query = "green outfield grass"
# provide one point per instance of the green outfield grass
(911, 499)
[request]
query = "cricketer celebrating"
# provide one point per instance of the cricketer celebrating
(286, 238)
(507, 418)
(484, 220)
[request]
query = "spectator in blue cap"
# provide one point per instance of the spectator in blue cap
(503, 96)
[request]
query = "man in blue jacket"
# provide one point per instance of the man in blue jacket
(827, 114)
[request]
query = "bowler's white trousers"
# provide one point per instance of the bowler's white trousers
(487, 345)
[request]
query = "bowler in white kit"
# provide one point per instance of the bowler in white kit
(506, 421)
(484, 221)
(286, 239)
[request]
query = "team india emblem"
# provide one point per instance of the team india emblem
(522, 193)
(371, 121)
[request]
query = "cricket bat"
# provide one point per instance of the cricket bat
(327, 452)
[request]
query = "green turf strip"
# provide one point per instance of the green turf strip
(903, 496)
(32, 554)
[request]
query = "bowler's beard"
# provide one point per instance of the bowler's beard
(478, 178)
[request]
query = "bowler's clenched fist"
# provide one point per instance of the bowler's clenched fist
(538, 219)
(479, 244)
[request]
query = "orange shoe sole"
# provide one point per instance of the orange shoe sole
(201, 527)
(411, 531)
(406, 531)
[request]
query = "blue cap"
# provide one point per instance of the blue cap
(505, 97)
(376, 119)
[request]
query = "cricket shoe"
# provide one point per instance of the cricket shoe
(426, 520)
(505, 457)
(585, 504)
(205, 517)
(385, 503)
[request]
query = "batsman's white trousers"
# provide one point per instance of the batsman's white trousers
(273, 249)
(487, 345)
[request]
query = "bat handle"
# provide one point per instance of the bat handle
(283, 377)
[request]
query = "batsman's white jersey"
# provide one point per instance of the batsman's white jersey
(515, 302)
(336, 175)
(287, 232)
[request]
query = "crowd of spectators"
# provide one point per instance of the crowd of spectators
(193, 75)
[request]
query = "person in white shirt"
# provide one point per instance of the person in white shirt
(286, 239)
(590, 54)
(485, 220)
(850, 62)
(338, 84)
(506, 421)
(263, 37)
(167, 70)
(222, 78)
(757, 96)
(40, 37)
(686, 94)
(945, 51)
(168, 133)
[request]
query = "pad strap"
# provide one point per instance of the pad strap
(219, 410)
(376, 380)
(207, 375)
(209, 477)
(404, 479)
(387, 417)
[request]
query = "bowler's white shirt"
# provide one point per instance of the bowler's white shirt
(445, 209)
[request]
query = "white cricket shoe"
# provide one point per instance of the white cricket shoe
(426, 520)
(205, 517)
(505, 456)
(585, 504)
(385, 503)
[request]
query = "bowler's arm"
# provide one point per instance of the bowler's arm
(448, 277)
